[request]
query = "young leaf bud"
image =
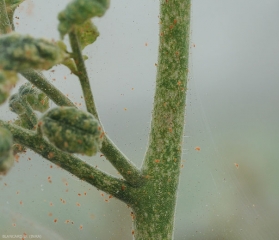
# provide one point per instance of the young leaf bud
(19, 104)
(78, 11)
(22, 52)
(16, 105)
(70, 63)
(37, 99)
(87, 33)
(22, 121)
(73, 130)
(6, 152)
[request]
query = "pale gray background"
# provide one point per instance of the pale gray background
(232, 115)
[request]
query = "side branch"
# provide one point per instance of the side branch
(82, 74)
(111, 185)
(126, 168)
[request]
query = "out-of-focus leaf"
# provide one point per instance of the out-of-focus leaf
(37, 99)
(79, 11)
(16, 105)
(70, 63)
(22, 52)
(87, 33)
(22, 122)
(7, 80)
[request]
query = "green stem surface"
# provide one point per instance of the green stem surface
(82, 74)
(123, 165)
(154, 205)
(5, 25)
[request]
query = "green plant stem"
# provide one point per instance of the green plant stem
(154, 218)
(5, 25)
(39, 80)
(82, 74)
(123, 165)
(25, 118)
(111, 185)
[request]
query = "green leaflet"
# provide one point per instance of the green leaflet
(87, 33)
(7, 80)
(86, 37)
(33, 96)
(73, 130)
(37, 99)
(70, 63)
(79, 11)
(22, 52)
(22, 122)
(23, 103)
(6, 153)
(16, 105)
